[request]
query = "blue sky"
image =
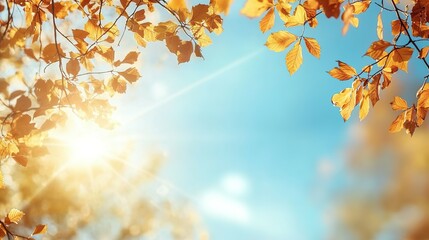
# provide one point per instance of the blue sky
(248, 144)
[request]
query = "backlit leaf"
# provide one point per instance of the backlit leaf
(73, 67)
(255, 8)
(399, 104)
(267, 22)
(40, 229)
(280, 40)
(131, 74)
(298, 17)
(343, 71)
(364, 108)
(377, 49)
(424, 52)
(294, 58)
(312, 46)
(14, 215)
(398, 123)
(379, 27)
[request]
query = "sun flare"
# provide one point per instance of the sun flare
(87, 144)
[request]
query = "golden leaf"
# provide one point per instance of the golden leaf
(221, 6)
(377, 49)
(399, 58)
(267, 22)
(347, 108)
(313, 46)
(280, 40)
(361, 6)
(298, 17)
(14, 216)
(398, 123)
(131, 57)
(341, 98)
(40, 229)
(364, 108)
(398, 28)
(343, 71)
(184, 51)
(424, 52)
(94, 31)
(379, 27)
(373, 89)
(131, 74)
(176, 5)
(294, 58)
(255, 8)
(347, 15)
(423, 99)
(399, 104)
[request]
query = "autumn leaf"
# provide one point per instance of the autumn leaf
(298, 17)
(313, 46)
(399, 58)
(373, 89)
(347, 17)
(267, 22)
(361, 6)
(398, 123)
(398, 28)
(94, 31)
(131, 74)
(364, 108)
(255, 8)
(23, 103)
(377, 49)
(73, 67)
(424, 52)
(343, 71)
(221, 6)
(398, 103)
(14, 216)
(379, 27)
(40, 229)
(184, 52)
(176, 5)
(294, 58)
(280, 40)
(131, 57)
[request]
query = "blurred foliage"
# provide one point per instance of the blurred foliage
(385, 193)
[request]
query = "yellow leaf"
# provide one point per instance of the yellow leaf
(364, 108)
(40, 229)
(312, 46)
(373, 89)
(398, 123)
(399, 58)
(255, 8)
(93, 29)
(343, 71)
(361, 7)
(14, 216)
(377, 49)
(221, 6)
(280, 40)
(379, 27)
(399, 104)
(267, 22)
(341, 98)
(131, 57)
(424, 52)
(294, 58)
(176, 5)
(348, 14)
(298, 17)
(347, 109)
(423, 99)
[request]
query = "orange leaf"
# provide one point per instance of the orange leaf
(1, 181)
(398, 123)
(294, 58)
(184, 51)
(22, 103)
(40, 229)
(312, 46)
(399, 104)
(424, 52)
(377, 49)
(343, 71)
(131, 74)
(298, 17)
(73, 67)
(360, 7)
(131, 57)
(267, 22)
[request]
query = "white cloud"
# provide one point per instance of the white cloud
(235, 184)
(220, 205)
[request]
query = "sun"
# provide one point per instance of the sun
(86, 144)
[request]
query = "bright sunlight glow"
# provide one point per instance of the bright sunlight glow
(87, 144)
